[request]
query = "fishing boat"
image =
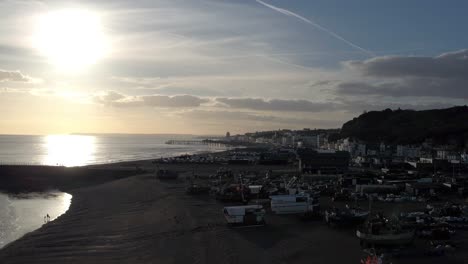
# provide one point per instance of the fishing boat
(347, 216)
(380, 231)
(246, 215)
(388, 238)
(233, 193)
(302, 203)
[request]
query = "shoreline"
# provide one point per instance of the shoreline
(26, 206)
(112, 162)
(42, 178)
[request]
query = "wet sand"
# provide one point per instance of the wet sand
(140, 219)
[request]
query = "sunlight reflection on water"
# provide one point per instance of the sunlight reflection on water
(25, 213)
(79, 150)
(69, 150)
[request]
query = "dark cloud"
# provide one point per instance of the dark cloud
(446, 65)
(443, 76)
(420, 87)
(120, 100)
(276, 104)
(236, 117)
(13, 76)
(358, 106)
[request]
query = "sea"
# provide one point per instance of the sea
(80, 150)
(20, 214)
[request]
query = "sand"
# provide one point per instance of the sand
(140, 219)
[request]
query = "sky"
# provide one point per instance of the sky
(211, 66)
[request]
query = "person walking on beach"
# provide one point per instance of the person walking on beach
(48, 218)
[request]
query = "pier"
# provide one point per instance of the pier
(212, 142)
(206, 142)
(188, 142)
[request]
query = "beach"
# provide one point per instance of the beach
(140, 219)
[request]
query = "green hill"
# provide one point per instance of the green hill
(443, 126)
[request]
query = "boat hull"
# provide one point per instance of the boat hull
(345, 220)
(387, 239)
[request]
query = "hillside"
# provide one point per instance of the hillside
(443, 126)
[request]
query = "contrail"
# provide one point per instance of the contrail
(308, 21)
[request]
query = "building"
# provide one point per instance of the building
(287, 140)
(310, 141)
(464, 157)
(423, 188)
(382, 147)
(322, 161)
(360, 150)
(408, 151)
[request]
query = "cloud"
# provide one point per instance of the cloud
(173, 101)
(416, 87)
(116, 99)
(256, 121)
(276, 104)
(446, 65)
(322, 83)
(13, 76)
(110, 96)
(357, 106)
(443, 76)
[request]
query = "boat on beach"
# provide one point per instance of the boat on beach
(233, 193)
(382, 232)
(346, 216)
(388, 238)
(302, 203)
(245, 215)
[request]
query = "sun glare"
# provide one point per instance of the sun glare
(69, 150)
(71, 39)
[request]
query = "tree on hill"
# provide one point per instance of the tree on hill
(443, 126)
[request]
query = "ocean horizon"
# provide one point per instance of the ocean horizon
(79, 149)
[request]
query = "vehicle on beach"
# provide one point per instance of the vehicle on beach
(302, 204)
(245, 215)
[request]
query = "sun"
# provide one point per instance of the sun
(71, 39)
